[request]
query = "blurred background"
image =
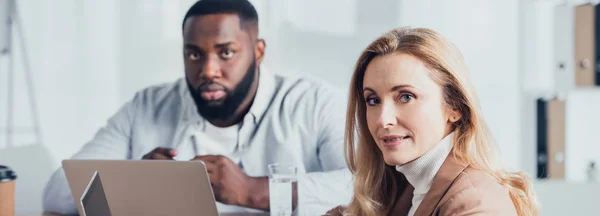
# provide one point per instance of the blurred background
(86, 58)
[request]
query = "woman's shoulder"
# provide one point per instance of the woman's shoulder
(476, 191)
(479, 179)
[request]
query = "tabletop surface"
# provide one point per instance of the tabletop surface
(224, 214)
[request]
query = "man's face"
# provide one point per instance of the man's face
(220, 63)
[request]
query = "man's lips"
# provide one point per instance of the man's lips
(212, 91)
(212, 95)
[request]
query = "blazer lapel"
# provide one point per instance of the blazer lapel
(450, 169)
(403, 202)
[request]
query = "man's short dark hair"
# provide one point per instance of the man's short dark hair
(242, 8)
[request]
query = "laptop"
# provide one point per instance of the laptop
(142, 187)
(93, 200)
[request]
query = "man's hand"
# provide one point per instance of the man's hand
(232, 186)
(161, 154)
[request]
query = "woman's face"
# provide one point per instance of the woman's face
(406, 113)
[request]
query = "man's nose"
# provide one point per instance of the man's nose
(211, 69)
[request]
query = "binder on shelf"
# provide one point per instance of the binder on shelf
(585, 58)
(597, 36)
(574, 54)
(551, 131)
(542, 152)
(556, 124)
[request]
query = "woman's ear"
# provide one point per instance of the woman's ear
(454, 115)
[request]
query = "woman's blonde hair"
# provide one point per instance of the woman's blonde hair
(375, 183)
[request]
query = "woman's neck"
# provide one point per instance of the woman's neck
(421, 171)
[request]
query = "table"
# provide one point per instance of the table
(223, 214)
(34, 214)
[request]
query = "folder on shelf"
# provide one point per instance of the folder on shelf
(585, 58)
(574, 42)
(597, 44)
(556, 111)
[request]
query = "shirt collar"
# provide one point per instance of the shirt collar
(264, 94)
(262, 99)
(421, 172)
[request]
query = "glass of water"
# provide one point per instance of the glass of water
(281, 177)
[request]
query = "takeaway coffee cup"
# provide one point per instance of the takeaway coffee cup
(7, 191)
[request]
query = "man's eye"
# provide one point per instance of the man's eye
(194, 56)
(372, 101)
(227, 54)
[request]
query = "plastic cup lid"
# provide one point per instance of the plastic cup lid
(7, 174)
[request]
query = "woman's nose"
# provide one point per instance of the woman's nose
(387, 117)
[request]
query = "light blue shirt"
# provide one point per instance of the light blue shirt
(293, 119)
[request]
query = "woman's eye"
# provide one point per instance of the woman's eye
(227, 54)
(194, 56)
(372, 101)
(405, 98)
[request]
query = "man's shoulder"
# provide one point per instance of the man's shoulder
(304, 96)
(160, 93)
(160, 97)
(303, 86)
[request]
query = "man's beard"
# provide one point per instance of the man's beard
(225, 110)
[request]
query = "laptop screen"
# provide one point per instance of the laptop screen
(93, 200)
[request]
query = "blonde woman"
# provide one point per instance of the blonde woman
(423, 145)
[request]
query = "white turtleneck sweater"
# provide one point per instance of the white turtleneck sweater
(420, 172)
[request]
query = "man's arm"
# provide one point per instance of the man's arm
(110, 142)
(319, 192)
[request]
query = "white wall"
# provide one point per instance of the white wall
(150, 44)
(89, 57)
(71, 46)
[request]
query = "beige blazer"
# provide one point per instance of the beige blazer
(457, 190)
